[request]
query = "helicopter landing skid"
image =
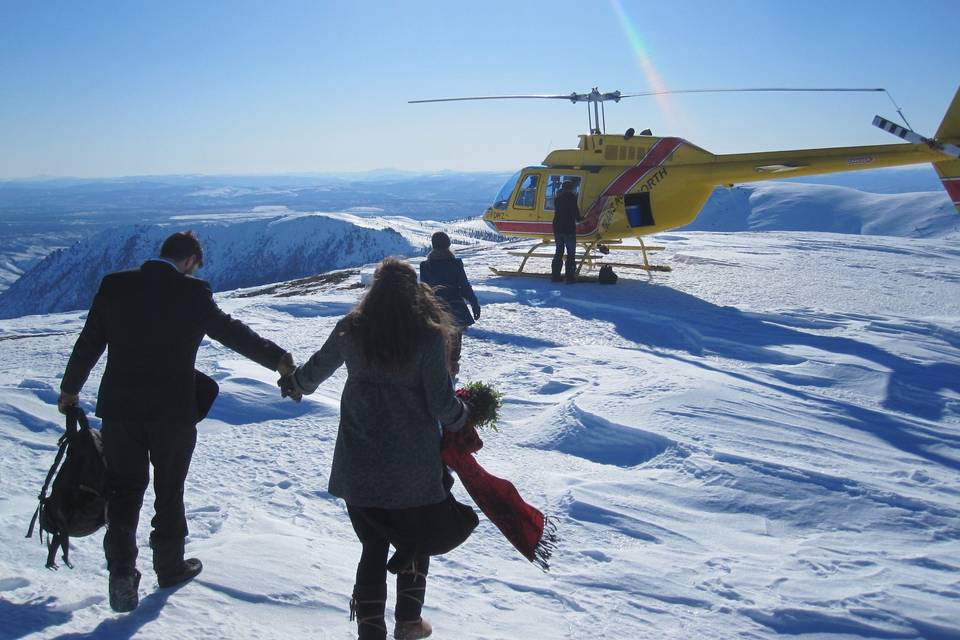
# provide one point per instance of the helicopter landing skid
(587, 260)
(537, 274)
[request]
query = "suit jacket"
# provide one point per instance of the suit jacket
(151, 321)
(444, 272)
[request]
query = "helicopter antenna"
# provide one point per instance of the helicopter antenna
(595, 98)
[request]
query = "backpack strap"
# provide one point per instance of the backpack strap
(61, 541)
(76, 420)
(43, 492)
(74, 415)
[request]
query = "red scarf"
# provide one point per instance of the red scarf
(524, 526)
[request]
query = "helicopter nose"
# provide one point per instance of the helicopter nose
(492, 226)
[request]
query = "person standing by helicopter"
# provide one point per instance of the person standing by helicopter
(566, 214)
(444, 273)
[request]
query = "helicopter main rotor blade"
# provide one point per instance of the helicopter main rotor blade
(544, 96)
(773, 89)
(760, 89)
(594, 96)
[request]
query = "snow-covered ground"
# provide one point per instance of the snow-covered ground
(765, 441)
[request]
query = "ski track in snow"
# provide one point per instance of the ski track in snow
(765, 441)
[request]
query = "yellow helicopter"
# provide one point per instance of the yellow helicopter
(631, 185)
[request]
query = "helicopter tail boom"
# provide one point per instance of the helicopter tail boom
(943, 152)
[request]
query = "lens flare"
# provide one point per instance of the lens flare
(642, 56)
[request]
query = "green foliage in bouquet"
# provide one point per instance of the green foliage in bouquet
(485, 403)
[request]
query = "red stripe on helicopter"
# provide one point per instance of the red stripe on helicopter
(622, 184)
(952, 185)
(533, 228)
(658, 154)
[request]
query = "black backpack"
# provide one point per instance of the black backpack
(77, 505)
(607, 276)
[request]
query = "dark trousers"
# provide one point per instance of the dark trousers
(129, 448)
(370, 525)
(456, 348)
(568, 242)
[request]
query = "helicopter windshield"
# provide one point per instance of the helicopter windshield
(503, 196)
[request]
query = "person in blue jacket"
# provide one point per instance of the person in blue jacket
(444, 273)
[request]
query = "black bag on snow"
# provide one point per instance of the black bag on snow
(607, 276)
(76, 505)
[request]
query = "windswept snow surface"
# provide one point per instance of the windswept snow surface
(762, 442)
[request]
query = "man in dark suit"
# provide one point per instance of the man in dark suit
(566, 214)
(151, 321)
(444, 272)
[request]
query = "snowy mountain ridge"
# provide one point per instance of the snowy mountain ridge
(787, 206)
(240, 251)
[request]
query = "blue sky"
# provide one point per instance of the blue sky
(137, 87)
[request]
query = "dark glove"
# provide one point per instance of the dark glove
(476, 312)
(288, 389)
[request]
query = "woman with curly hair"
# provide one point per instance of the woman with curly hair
(386, 464)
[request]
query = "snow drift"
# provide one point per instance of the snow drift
(763, 442)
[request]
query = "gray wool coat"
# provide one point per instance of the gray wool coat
(387, 453)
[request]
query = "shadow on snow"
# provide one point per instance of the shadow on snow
(659, 317)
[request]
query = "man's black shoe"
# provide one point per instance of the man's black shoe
(188, 570)
(123, 591)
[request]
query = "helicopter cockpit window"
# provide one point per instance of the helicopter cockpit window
(527, 195)
(503, 196)
(554, 182)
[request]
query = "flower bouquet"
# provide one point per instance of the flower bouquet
(524, 526)
(484, 402)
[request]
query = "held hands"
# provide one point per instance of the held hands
(286, 369)
(288, 388)
(67, 400)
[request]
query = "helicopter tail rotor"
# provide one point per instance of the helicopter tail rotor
(950, 150)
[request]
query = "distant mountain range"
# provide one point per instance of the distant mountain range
(41, 215)
(252, 237)
(145, 199)
(243, 252)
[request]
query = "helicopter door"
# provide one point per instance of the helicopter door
(554, 183)
(527, 193)
(639, 212)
